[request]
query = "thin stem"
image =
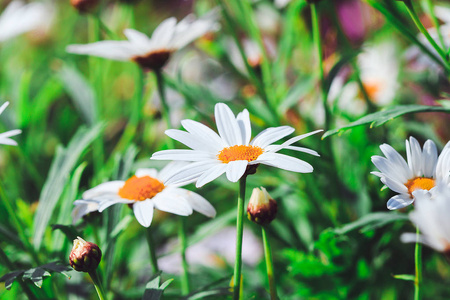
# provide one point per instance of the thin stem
(269, 264)
(424, 31)
(418, 263)
(151, 248)
(6, 262)
(97, 284)
(430, 7)
(185, 287)
(239, 234)
(165, 106)
(319, 51)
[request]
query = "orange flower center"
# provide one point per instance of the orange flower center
(239, 152)
(372, 88)
(420, 183)
(141, 188)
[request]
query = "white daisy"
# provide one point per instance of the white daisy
(423, 171)
(18, 18)
(145, 191)
(230, 151)
(151, 53)
(5, 136)
(430, 214)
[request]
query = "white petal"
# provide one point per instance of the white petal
(184, 155)
(113, 200)
(399, 201)
(396, 160)
(163, 34)
(171, 168)
(137, 37)
(227, 125)
(172, 202)
(235, 169)
(143, 211)
(8, 141)
(387, 168)
(211, 174)
(3, 107)
(10, 133)
(110, 187)
(243, 119)
(271, 148)
(82, 208)
(188, 139)
(205, 134)
(429, 159)
(394, 185)
(415, 157)
(116, 50)
(286, 145)
(147, 172)
(270, 135)
(284, 162)
(443, 164)
(198, 203)
(191, 172)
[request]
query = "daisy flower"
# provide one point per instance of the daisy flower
(430, 214)
(18, 18)
(151, 53)
(145, 191)
(230, 151)
(5, 136)
(423, 171)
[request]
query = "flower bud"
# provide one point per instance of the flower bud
(261, 209)
(84, 6)
(85, 256)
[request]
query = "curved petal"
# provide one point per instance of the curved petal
(243, 119)
(270, 135)
(227, 125)
(10, 133)
(173, 202)
(399, 201)
(190, 140)
(288, 143)
(137, 37)
(443, 164)
(396, 160)
(388, 169)
(3, 107)
(191, 172)
(163, 34)
(110, 187)
(429, 159)
(235, 169)
(184, 155)
(205, 134)
(143, 211)
(394, 185)
(284, 162)
(198, 203)
(115, 50)
(414, 157)
(107, 203)
(211, 174)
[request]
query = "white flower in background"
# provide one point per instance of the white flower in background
(230, 151)
(18, 18)
(151, 53)
(145, 191)
(252, 53)
(216, 251)
(5, 136)
(422, 61)
(281, 3)
(431, 214)
(423, 171)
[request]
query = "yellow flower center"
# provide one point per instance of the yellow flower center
(141, 188)
(239, 152)
(420, 183)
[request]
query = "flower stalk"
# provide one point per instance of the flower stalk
(269, 264)
(185, 286)
(97, 284)
(239, 235)
(152, 251)
(418, 264)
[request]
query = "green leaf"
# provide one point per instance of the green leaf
(371, 221)
(9, 278)
(59, 174)
(406, 277)
(69, 231)
(214, 292)
(381, 117)
(36, 275)
(153, 289)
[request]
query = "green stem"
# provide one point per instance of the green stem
(6, 262)
(165, 106)
(424, 31)
(239, 234)
(430, 6)
(418, 263)
(151, 248)
(269, 264)
(185, 287)
(319, 50)
(97, 284)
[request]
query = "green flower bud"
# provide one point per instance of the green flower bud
(85, 256)
(261, 209)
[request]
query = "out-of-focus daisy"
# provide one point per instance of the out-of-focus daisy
(423, 171)
(252, 53)
(215, 251)
(430, 214)
(18, 18)
(230, 151)
(151, 53)
(5, 137)
(145, 191)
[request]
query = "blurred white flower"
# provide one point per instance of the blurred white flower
(18, 18)
(281, 3)
(5, 136)
(215, 251)
(431, 214)
(145, 191)
(154, 52)
(251, 51)
(231, 151)
(423, 171)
